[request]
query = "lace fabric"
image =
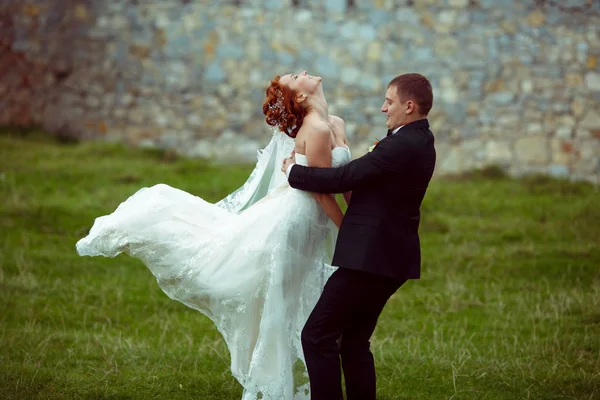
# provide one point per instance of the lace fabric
(255, 263)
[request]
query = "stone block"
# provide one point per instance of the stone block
(536, 18)
(591, 120)
(592, 81)
(450, 160)
(498, 152)
(532, 150)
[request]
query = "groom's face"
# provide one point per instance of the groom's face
(397, 112)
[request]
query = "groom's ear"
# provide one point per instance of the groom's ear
(410, 107)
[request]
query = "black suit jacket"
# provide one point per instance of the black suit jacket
(379, 233)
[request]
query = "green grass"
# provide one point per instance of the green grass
(508, 306)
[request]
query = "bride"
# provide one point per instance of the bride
(255, 263)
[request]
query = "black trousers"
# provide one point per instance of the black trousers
(348, 309)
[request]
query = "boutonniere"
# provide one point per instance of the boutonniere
(374, 145)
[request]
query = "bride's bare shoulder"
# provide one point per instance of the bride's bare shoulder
(337, 120)
(315, 127)
(312, 131)
(339, 126)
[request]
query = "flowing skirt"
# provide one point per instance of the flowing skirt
(256, 274)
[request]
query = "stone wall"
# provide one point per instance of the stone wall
(516, 82)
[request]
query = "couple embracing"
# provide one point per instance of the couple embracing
(258, 263)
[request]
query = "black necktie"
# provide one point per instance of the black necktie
(389, 133)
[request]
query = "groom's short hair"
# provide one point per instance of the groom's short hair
(414, 87)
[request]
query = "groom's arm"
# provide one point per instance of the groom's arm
(390, 156)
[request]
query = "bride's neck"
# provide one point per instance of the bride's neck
(318, 108)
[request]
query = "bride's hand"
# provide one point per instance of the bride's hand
(288, 161)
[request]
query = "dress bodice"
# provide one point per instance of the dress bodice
(339, 156)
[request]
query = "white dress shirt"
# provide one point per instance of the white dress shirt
(396, 130)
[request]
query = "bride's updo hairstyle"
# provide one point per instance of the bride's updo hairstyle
(281, 109)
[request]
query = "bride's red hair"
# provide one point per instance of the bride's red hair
(281, 109)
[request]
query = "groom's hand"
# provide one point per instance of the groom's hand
(288, 162)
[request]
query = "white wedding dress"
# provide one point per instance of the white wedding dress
(255, 263)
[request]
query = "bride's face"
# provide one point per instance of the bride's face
(302, 82)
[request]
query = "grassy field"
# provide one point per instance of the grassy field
(508, 306)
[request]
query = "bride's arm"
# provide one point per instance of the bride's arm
(331, 207)
(347, 197)
(318, 154)
(341, 129)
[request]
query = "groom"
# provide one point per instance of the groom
(377, 248)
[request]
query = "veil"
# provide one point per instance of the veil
(265, 177)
